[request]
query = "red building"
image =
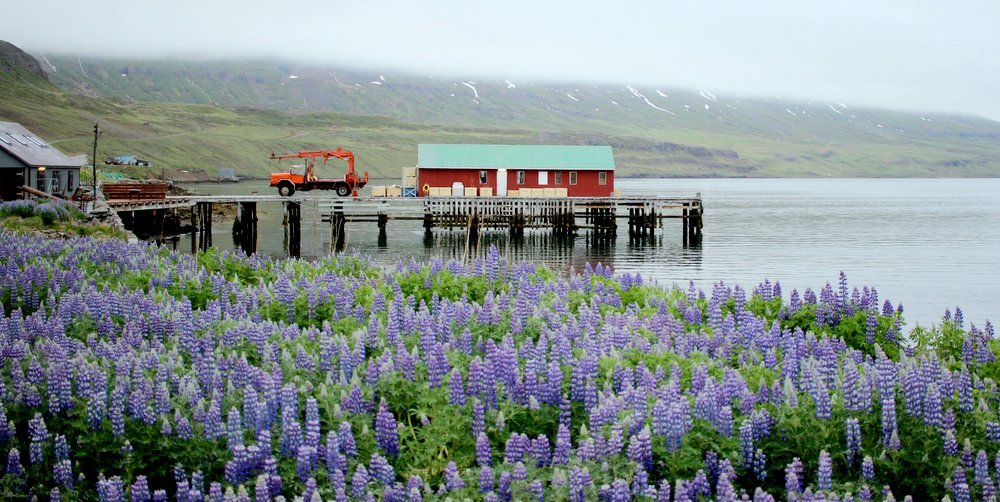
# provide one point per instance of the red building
(584, 171)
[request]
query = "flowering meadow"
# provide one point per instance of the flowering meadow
(130, 372)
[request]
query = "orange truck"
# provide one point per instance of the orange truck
(304, 177)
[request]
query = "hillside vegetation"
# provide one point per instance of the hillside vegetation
(211, 115)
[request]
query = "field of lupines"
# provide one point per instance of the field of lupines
(133, 373)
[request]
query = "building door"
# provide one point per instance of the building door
(10, 183)
(501, 182)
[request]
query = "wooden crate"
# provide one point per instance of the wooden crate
(561, 192)
(378, 191)
(409, 172)
(513, 193)
(471, 191)
(548, 192)
(486, 191)
(394, 191)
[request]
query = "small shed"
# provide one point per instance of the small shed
(27, 160)
(584, 171)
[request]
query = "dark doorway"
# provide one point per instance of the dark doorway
(10, 183)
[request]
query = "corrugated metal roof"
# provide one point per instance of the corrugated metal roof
(515, 156)
(28, 148)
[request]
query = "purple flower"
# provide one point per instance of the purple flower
(386, 430)
(484, 455)
(381, 470)
(359, 482)
(579, 483)
(14, 467)
(868, 468)
(486, 479)
(825, 472)
(63, 474)
(453, 480)
(853, 440)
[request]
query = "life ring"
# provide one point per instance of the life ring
(427, 188)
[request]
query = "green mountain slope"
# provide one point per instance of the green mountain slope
(236, 113)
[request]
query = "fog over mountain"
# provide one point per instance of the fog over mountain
(907, 55)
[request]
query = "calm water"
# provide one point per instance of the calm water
(929, 244)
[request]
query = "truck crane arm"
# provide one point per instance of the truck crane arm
(325, 154)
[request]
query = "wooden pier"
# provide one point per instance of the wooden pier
(562, 216)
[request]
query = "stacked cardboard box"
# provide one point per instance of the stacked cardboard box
(486, 191)
(561, 192)
(394, 191)
(378, 191)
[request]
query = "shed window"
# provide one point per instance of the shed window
(520, 177)
(482, 177)
(543, 177)
(572, 177)
(558, 177)
(602, 178)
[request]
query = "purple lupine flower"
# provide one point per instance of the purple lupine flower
(305, 461)
(520, 472)
(456, 388)
(14, 463)
(381, 470)
(960, 485)
(793, 477)
(561, 453)
(853, 440)
(139, 491)
(504, 490)
(63, 473)
(261, 491)
(453, 480)
(484, 455)
(386, 430)
(746, 438)
(346, 436)
(579, 482)
(359, 482)
(61, 448)
(640, 449)
(478, 418)
(950, 443)
(537, 490)
(486, 479)
(619, 491)
(700, 486)
(982, 468)
(825, 472)
(868, 468)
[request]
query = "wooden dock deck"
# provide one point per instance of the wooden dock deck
(564, 216)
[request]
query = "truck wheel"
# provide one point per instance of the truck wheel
(286, 189)
(343, 190)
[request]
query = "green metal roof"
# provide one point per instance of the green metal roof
(516, 156)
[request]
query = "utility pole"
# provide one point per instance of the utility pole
(97, 134)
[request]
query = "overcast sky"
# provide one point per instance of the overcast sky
(921, 55)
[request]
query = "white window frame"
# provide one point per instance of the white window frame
(543, 177)
(572, 177)
(602, 178)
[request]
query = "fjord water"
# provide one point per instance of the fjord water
(930, 244)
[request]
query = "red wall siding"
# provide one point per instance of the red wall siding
(587, 183)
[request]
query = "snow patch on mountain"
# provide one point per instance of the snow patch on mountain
(707, 95)
(510, 85)
(470, 85)
(661, 94)
(834, 109)
(570, 96)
